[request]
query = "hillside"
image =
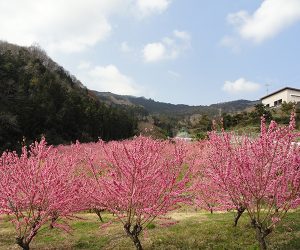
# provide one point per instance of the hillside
(40, 98)
(162, 120)
(166, 120)
(155, 107)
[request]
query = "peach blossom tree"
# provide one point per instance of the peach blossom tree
(260, 174)
(139, 180)
(38, 187)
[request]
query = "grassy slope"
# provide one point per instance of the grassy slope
(193, 231)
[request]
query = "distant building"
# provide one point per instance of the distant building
(183, 135)
(276, 98)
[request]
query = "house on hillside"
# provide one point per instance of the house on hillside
(286, 94)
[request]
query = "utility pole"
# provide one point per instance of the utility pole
(267, 87)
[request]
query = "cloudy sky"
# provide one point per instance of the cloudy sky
(177, 51)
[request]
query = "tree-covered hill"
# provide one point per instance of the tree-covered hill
(39, 98)
(156, 107)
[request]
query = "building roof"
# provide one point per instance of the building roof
(279, 91)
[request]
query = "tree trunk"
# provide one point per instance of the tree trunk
(137, 243)
(98, 212)
(134, 235)
(261, 239)
(239, 213)
(210, 208)
(21, 243)
(53, 219)
(261, 234)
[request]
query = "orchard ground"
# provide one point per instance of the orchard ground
(193, 230)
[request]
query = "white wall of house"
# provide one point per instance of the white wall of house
(294, 96)
(286, 95)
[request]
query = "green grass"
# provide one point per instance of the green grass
(194, 230)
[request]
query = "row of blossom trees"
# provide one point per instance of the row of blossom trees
(258, 175)
(141, 179)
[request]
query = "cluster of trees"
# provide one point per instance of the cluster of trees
(38, 97)
(167, 124)
(141, 179)
(137, 180)
(200, 123)
(280, 115)
(246, 118)
(258, 175)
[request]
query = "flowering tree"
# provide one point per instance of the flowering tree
(208, 196)
(38, 187)
(220, 170)
(260, 174)
(139, 180)
(207, 193)
(82, 154)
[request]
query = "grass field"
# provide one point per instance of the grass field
(194, 230)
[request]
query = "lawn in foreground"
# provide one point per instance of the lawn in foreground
(194, 230)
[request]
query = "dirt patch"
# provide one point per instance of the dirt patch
(186, 215)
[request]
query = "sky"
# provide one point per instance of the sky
(193, 52)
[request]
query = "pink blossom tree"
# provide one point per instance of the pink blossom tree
(208, 193)
(139, 180)
(36, 188)
(208, 196)
(260, 174)
(220, 160)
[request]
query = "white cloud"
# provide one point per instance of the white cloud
(272, 17)
(238, 17)
(66, 26)
(154, 52)
(168, 47)
(125, 48)
(183, 35)
(149, 7)
(109, 78)
(240, 86)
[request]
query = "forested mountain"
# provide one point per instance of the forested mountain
(166, 119)
(155, 107)
(39, 98)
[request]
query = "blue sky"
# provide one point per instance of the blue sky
(192, 52)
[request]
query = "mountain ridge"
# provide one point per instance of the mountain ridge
(156, 107)
(38, 97)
